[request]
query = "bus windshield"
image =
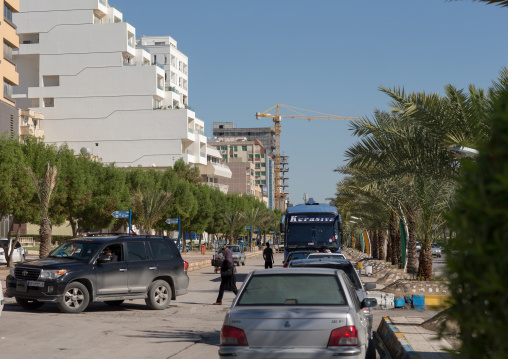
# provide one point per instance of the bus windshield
(316, 230)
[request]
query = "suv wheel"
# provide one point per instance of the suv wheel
(159, 295)
(114, 302)
(29, 303)
(75, 298)
(243, 263)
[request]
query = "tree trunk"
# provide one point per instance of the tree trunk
(45, 236)
(381, 244)
(74, 227)
(389, 254)
(374, 244)
(394, 238)
(411, 246)
(425, 266)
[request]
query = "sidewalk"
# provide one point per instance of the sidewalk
(405, 338)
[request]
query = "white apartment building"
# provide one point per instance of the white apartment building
(215, 170)
(99, 92)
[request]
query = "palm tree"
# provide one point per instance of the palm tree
(44, 188)
(150, 206)
(234, 221)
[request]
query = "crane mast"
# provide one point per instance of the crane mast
(280, 196)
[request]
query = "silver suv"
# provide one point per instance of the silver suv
(238, 254)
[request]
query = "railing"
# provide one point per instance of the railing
(191, 130)
(201, 132)
(189, 152)
(160, 87)
(103, 2)
(159, 65)
(189, 107)
(171, 88)
(202, 154)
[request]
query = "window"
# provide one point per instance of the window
(7, 51)
(244, 148)
(218, 147)
(263, 165)
(7, 89)
(7, 12)
(263, 173)
(224, 148)
(263, 182)
(137, 251)
(250, 156)
(262, 155)
(161, 250)
(224, 157)
(291, 289)
(236, 155)
(257, 165)
(257, 156)
(257, 182)
(257, 173)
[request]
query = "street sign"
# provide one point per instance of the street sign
(248, 227)
(172, 221)
(272, 232)
(120, 214)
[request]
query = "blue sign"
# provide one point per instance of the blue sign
(248, 227)
(172, 221)
(121, 214)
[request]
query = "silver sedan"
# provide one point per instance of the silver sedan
(296, 313)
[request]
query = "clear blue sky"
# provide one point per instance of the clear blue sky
(329, 56)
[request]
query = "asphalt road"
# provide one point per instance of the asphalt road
(188, 329)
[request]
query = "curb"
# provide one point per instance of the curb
(397, 345)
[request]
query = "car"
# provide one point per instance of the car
(82, 270)
(297, 255)
(238, 254)
(345, 265)
(2, 299)
(18, 255)
(436, 250)
(418, 246)
(296, 313)
(327, 255)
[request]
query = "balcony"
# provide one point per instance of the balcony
(218, 170)
(222, 187)
(25, 131)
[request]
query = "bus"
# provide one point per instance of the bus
(311, 226)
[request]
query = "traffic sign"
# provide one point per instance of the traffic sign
(121, 214)
(248, 227)
(172, 221)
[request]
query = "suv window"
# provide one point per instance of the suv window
(161, 249)
(138, 251)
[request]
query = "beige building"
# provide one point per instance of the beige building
(10, 42)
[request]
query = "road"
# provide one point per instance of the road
(188, 329)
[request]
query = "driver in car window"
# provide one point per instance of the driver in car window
(107, 251)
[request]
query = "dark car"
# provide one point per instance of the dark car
(302, 254)
(350, 271)
(102, 269)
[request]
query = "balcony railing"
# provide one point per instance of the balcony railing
(189, 152)
(202, 154)
(171, 88)
(160, 87)
(103, 2)
(189, 107)
(131, 44)
(191, 130)
(158, 65)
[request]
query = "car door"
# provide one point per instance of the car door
(112, 277)
(361, 318)
(142, 266)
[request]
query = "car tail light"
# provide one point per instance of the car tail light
(185, 266)
(343, 336)
(285, 265)
(231, 336)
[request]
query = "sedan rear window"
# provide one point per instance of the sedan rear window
(293, 289)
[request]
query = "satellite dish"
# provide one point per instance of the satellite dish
(86, 151)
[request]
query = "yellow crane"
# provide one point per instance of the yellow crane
(277, 119)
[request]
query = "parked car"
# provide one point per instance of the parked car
(327, 255)
(238, 254)
(345, 265)
(418, 246)
(102, 269)
(296, 313)
(2, 300)
(436, 250)
(297, 255)
(18, 255)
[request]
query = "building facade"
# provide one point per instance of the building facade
(99, 91)
(215, 172)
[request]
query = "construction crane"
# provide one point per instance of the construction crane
(277, 119)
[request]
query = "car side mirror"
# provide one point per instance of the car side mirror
(369, 286)
(369, 302)
(104, 258)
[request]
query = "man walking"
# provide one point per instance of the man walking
(268, 256)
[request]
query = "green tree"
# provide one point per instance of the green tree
(477, 263)
(235, 221)
(150, 205)
(16, 189)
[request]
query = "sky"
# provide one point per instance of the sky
(328, 56)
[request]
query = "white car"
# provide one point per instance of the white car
(327, 255)
(18, 255)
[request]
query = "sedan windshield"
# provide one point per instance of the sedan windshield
(235, 248)
(292, 289)
(77, 250)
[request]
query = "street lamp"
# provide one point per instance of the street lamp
(368, 237)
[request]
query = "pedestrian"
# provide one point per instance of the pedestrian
(227, 275)
(268, 256)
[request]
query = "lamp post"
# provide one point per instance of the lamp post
(368, 237)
